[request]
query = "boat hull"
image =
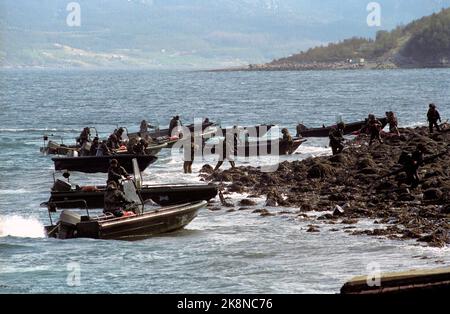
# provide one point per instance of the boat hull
(53, 148)
(165, 132)
(265, 148)
(254, 131)
(164, 195)
(349, 129)
(94, 164)
(139, 227)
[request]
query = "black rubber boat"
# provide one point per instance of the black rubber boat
(94, 164)
(254, 131)
(138, 225)
(163, 220)
(164, 195)
(350, 128)
(260, 148)
(53, 148)
(164, 133)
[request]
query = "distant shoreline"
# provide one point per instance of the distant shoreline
(335, 66)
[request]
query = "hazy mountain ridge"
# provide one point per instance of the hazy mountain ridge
(180, 33)
(422, 43)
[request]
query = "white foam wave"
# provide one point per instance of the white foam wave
(413, 124)
(17, 191)
(12, 130)
(314, 150)
(18, 226)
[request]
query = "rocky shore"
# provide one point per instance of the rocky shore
(313, 66)
(353, 186)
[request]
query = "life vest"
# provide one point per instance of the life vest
(89, 189)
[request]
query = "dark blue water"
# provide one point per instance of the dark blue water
(219, 251)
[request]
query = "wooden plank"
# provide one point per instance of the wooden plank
(401, 282)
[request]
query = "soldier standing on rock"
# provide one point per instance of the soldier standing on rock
(411, 164)
(336, 136)
(229, 149)
(374, 126)
(433, 117)
(393, 122)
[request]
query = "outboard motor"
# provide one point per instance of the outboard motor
(61, 186)
(129, 189)
(68, 224)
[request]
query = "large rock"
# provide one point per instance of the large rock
(236, 187)
(320, 171)
(338, 211)
(247, 202)
(365, 163)
(313, 228)
(207, 169)
(368, 170)
(432, 194)
(445, 209)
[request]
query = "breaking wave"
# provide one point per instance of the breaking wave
(16, 191)
(38, 130)
(21, 227)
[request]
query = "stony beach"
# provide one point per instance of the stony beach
(353, 185)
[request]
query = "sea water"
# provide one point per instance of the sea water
(220, 251)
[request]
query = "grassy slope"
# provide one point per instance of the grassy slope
(389, 47)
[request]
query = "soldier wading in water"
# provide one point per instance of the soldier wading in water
(287, 140)
(228, 149)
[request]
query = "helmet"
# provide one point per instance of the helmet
(112, 185)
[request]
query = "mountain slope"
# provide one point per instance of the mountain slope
(421, 43)
(182, 33)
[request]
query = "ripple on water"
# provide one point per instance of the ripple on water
(221, 252)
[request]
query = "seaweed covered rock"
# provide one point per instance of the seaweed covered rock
(247, 202)
(208, 169)
(368, 181)
(432, 194)
(321, 170)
